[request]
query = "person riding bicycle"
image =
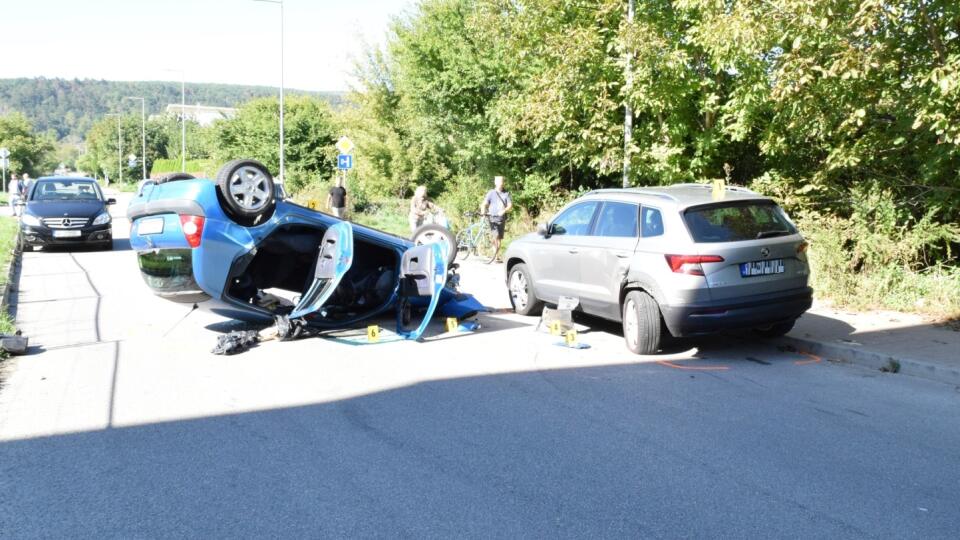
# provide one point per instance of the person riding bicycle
(420, 207)
(496, 204)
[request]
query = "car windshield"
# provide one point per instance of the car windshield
(65, 190)
(731, 222)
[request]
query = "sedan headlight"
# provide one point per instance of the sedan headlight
(30, 220)
(102, 219)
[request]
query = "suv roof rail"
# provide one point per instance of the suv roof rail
(634, 191)
(730, 187)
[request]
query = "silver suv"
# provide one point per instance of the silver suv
(680, 257)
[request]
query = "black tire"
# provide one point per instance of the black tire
(775, 330)
(431, 233)
(173, 177)
(642, 328)
(519, 283)
(246, 191)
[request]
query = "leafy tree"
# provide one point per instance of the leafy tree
(28, 151)
(309, 138)
(101, 156)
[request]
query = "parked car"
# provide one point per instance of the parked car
(672, 257)
(65, 211)
(236, 246)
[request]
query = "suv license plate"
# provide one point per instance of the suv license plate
(761, 268)
(66, 234)
(150, 226)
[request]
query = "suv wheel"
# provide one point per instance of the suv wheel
(641, 323)
(520, 286)
(775, 330)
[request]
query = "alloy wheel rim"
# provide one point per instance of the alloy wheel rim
(518, 290)
(248, 188)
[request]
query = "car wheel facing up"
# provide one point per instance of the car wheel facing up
(520, 286)
(247, 191)
(641, 323)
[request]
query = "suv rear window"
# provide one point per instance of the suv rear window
(742, 220)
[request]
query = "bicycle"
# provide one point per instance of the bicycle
(475, 238)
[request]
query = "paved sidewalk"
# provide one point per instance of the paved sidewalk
(887, 340)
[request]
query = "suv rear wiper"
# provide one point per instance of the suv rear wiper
(768, 234)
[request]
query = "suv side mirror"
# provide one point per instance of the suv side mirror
(111, 201)
(543, 230)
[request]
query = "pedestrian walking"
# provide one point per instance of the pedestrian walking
(25, 184)
(13, 189)
(337, 199)
(496, 204)
(420, 207)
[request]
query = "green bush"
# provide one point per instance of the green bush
(880, 257)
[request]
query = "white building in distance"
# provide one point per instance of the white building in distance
(201, 114)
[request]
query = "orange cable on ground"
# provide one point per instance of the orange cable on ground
(692, 368)
(814, 359)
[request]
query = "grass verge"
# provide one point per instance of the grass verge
(8, 238)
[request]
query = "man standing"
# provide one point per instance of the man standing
(25, 184)
(496, 204)
(14, 191)
(337, 199)
(420, 206)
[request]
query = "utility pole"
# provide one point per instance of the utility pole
(143, 133)
(628, 110)
(119, 147)
(281, 83)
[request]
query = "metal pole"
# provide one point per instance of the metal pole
(119, 150)
(281, 85)
(628, 110)
(143, 136)
(183, 121)
(281, 94)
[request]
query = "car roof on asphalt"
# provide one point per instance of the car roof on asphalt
(679, 195)
(70, 178)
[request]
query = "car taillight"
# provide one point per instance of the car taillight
(192, 229)
(690, 264)
(802, 247)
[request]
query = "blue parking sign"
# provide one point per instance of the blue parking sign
(344, 162)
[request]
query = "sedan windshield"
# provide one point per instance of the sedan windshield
(65, 190)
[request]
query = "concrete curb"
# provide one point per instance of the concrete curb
(876, 360)
(11, 272)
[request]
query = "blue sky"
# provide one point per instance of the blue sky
(226, 41)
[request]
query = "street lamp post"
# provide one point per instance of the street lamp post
(143, 133)
(119, 147)
(280, 2)
(183, 118)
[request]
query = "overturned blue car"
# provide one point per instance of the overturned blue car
(235, 246)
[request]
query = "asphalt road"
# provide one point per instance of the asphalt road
(122, 424)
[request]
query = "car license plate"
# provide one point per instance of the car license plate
(761, 268)
(66, 234)
(150, 226)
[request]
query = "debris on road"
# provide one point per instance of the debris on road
(15, 344)
(235, 342)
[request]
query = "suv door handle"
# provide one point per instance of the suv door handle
(623, 256)
(573, 251)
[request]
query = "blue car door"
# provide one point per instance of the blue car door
(333, 261)
(423, 275)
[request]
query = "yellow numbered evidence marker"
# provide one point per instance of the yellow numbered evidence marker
(719, 189)
(313, 204)
(452, 324)
(571, 338)
(556, 328)
(373, 333)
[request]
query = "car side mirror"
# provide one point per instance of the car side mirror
(543, 229)
(111, 201)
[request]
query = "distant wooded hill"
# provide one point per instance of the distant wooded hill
(67, 108)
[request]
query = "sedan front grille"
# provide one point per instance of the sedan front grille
(65, 223)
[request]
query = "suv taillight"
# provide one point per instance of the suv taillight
(192, 229)
(690, 264)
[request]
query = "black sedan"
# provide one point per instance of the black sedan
(66, 211)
